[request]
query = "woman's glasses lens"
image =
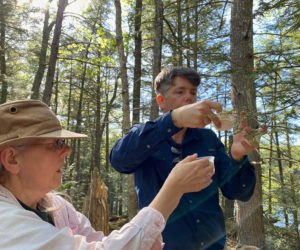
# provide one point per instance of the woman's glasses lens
(59, 143)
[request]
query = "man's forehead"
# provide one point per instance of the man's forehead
(182, 80)
(183, 85)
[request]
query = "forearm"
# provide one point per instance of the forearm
(166, 200)
(165, 203)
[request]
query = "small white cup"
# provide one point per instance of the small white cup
(210, 158)
(227, 122)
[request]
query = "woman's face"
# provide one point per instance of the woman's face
(41, 163)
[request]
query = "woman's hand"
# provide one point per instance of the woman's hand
(189, 175)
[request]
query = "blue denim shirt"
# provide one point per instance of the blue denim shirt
(197, 222)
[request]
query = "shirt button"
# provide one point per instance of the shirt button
(202, 243)
(169, 130)
(198, 221)
(244, 185)
(190, 201)
(148, 146)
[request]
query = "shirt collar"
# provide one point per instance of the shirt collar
(192, 134)
(43, 215)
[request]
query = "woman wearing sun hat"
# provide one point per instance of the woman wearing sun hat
(32, 153)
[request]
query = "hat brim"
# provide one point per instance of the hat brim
(63, 133)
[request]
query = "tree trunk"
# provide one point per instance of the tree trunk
(132, 208)
(279, 155)
(120, 200)
(76, 143)
(179, 34)
(123, 69)
(195, 43)
(132, 197)
(107, 179)
(70, 95)
(54, 51)
(157, 47)
(56, 91)
(100, 126)
(42, 56)
(107, 150)
(3, 80)
(69, 113)
(228, 204)
(79, 118)
(293, 186)
(281, 178)
(249, 214)
(188, 33)
(137, 63)
(270, 174)
(98, 136)
(96, 206)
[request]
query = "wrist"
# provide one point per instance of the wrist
(237, 157)
(166, 200)
(175, 118)
(173, 188)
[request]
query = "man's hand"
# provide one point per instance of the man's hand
(196, 115)
(246, 140)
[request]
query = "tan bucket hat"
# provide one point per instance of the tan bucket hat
(30, 119)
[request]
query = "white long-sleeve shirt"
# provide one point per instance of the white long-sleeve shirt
(22, 229)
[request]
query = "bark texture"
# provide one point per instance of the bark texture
(96, 204)
(42, 56)
(157, 47)
(54, 51)
(132, 200)
(249, 214)
(3, 80)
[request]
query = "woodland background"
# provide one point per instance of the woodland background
(95, 70)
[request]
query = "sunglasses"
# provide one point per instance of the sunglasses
(178, 153)
(58, 144)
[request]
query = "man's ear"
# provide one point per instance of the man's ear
(9, 161)
(160, 101)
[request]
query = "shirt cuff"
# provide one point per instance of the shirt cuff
(167, 124)
(149, 217)
(152, 223)
(239, 164)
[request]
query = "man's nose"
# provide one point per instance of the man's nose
(189, 97)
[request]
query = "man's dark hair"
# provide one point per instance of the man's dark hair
(164, 79)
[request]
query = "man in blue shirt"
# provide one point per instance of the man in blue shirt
(151, 150)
